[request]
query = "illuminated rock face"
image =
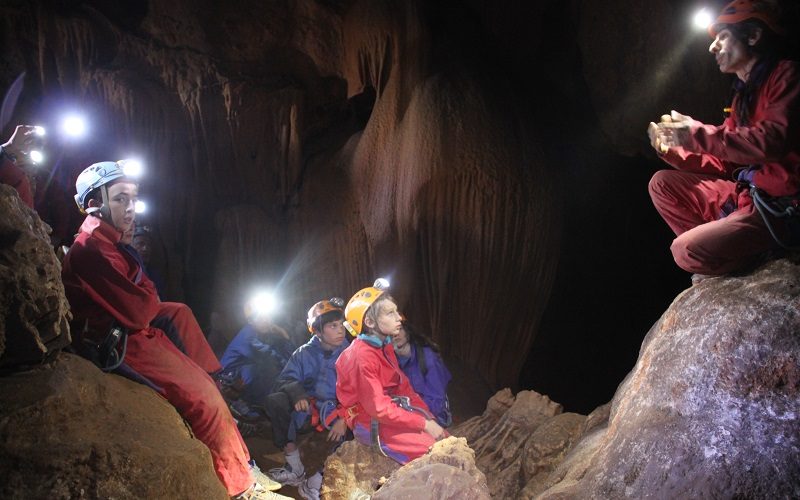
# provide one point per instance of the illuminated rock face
(712, 407)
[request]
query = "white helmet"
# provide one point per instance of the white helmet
(94, 176)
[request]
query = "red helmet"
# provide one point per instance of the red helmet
(741, 10)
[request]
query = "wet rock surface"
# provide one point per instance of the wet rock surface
(69, 431)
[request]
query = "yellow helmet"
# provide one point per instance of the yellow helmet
(320, 308)
(360, 302)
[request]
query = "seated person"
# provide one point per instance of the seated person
(10, 173)
(143, 243)
(420, 360)
(306, 390)
(255, 357)
(108, 292)
(380, 405)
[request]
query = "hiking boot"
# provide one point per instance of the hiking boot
(285, 475)
(258, 492)
(309, 489)
(263, 479)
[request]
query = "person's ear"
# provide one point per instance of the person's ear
(94, 203)
(755, 36)
(368, 322)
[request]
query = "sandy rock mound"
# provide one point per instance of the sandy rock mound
(69, 431)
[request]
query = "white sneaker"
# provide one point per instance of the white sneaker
(309, 489)
(258, 492)
(285, 475)
(263, 479)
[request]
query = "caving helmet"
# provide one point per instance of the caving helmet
(98, 175)
(320, 309)
(741, 10)
(360, 302)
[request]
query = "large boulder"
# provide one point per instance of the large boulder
(33, 308)
(712, 407)
(69, 431)
(355, 471)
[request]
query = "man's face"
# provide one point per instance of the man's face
(332, 334)
(731, 54)
(122, 197)
(142, 244)
(388, 319)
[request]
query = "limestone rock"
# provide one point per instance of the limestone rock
(447, 471)
(500, 450)
(711, 408)
(355, 470)
(33, 308)
(480, 425)
(69, 431)
(545, 449)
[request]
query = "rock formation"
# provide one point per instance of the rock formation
(712, 407)
(33, 309)
(69, 431)
(447, 471)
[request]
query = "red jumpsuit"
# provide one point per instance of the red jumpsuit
(103, 284)
(14, 176)
(694, 199)
(367, 378)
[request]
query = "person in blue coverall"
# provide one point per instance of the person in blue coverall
(420, 360)
(305, 393)
(255, 357)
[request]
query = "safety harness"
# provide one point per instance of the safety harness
(105, 354)
(784, 207)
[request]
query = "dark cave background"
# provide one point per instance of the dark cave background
(271, 128)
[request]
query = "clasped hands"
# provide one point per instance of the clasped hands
(671, 132)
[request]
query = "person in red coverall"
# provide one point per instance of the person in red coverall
(106, 288)
(381, 407)
(707, 201)
(10, 173)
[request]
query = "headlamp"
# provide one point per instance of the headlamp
(381, 284)
(262, 304)
(40, 131)
(73, 126)
(131, 168)
(36, 156)
(140, 207)
(702, 19)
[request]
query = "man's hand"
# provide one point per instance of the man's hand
(21, 140)
(434, 429)
(337, 430)
(301, 405)
(672, 131)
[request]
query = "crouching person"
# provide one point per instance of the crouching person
(306, 393)
(381, 407)
(108, 292)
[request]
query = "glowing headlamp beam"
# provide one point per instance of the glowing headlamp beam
(73, 126)
(263, 304)
(140, 207)
(36, 156)
(702, 19)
